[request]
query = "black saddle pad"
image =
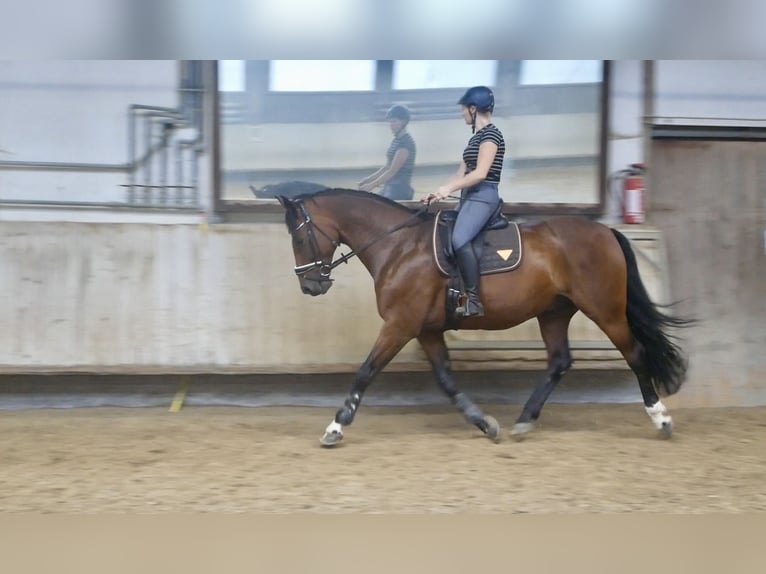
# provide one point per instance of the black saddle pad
(500, 248)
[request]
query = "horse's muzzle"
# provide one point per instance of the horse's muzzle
(315, 287)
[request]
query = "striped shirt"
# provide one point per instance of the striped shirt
(471, 152)
(404, 175)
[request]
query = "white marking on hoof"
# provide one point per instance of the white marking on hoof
(520, 429)
(667, 430)
(334, 427)
(659, 415)
(493, 428)
(333, 434)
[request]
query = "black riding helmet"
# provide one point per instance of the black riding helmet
(398, 112)
(479, 96)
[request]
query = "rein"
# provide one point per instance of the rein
(326, 268)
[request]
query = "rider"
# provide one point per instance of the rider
(396, 175)
(477, 178)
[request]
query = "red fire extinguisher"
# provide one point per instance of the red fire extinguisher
(633, 193)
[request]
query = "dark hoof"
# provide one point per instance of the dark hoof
(493, 428)
(520, 430)
(331, 439)
(667, 430)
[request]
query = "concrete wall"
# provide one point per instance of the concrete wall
(712, 213)
(136, 297)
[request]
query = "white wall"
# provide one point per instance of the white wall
(74, 111)
(625, 143)
(723, 89)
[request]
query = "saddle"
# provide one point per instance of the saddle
(497, 247)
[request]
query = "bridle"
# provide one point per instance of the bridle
(325, 268)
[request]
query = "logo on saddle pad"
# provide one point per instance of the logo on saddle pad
(504, 253)
(498, 246)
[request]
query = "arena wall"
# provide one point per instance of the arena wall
(105, 290)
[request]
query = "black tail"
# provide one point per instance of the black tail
(663, 358)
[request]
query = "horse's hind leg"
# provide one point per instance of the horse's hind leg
(554, 325)
(436, 351)
(619, 333)
(390, 341)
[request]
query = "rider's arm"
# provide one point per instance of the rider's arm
(487, 151)
(391, 170)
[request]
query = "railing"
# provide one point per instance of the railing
(154, 140)
(150, 181)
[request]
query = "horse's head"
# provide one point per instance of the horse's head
(314, 243)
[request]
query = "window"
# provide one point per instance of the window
(323, 122)
(321, 75)
(548, 72)
(430, 74)
(231, 75)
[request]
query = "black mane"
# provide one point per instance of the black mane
(291, 215)
(355, 194)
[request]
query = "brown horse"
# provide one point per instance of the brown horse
(569, 264)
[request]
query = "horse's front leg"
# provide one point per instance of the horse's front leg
(390, 341)
(436, 349)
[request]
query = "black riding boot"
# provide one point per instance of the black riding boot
(469, 271)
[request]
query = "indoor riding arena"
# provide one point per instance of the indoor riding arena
(237, 448)
(159, 354)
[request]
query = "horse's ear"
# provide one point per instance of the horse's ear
(284, 201)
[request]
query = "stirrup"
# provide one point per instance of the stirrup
(471, 308)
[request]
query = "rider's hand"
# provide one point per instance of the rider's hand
(440, 194)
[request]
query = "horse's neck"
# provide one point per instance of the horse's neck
(361, 224)
(369, 228)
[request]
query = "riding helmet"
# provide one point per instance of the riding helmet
(398, 112)
(479, 96)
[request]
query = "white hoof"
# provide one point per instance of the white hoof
(493, 428)
(331, 438)
(333, 434)
(667, 429)
(520, 429)
(661, 420)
